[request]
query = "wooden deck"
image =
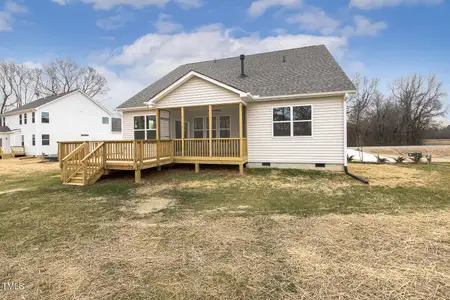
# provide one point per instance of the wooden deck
(83, 163)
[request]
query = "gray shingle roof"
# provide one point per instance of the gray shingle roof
(38, 102)
(305, 70)
(4, 129)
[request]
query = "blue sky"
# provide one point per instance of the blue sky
(133, 42)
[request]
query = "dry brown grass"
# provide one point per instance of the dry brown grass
(21, 166)
(436, 141)
(439, 154)
(260, 257)
(394, 175)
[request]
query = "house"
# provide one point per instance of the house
(282, 109)
(37, 126)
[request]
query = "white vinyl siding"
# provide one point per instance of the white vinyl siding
(197, 91)
(325, 146)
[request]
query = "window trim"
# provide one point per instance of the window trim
(220, 128)
(145, 126)
(291, 121)
(42, 112)
(42, 139)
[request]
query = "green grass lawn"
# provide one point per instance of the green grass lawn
(268, 234)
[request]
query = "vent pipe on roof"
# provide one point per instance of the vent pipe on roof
(242, 65)
(284, 58)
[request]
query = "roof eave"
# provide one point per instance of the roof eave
(257, 98)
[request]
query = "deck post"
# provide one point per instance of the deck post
(182, 131)
(241, 141)
(210, 130)
(157, 137)
(241, 169)
(137, 176)
(135, 155)
(197, 168)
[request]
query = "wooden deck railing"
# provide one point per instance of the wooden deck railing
(221, 147)
(72, 163)
(94, 163)
(17, 151)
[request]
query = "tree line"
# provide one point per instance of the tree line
(21, 84)
(403, 116)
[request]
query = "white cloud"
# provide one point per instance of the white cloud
(116, 21)
(316, 19)
(364, 27)
(7, 15)
(374, 4)
(109, 4)
(153, 55)
(259, 7)
(165, 24)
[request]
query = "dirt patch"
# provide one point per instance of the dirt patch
(393, 176)
(21, 166)
(154, 204)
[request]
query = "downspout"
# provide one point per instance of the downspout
(345, 146)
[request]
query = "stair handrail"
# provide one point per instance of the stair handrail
(71, 154)
(84, 162)
(65, 175)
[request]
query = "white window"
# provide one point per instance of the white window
(145, 127)
(46, 140)
(33, 140)
(198, 127)
(105, 120)
(292, 120)
(2, 121)
(214, 127)
(225, 126)
(45, 117)
(24, 118)
(23, 141)
(20, 119)
(33, 117)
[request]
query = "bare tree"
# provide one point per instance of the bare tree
(65, 75)
(5, 87)
(418, 103)
(358, 108)
(23, 84)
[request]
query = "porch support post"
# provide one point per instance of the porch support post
(182, 131)
(210, 130)
(241, 141)
(157, 137)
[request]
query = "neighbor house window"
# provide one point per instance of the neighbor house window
(225, 126)
(292, 120)
(3, 121)
(20, 119)
(105, 120)
(45, 117)
(33, 117)
(25, 118)
(214, 127)
(145, 127)
(33, 140)
(198, 128)
(23, 141)
(46, 140)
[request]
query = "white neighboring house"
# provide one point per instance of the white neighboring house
(72, 116)
(294, 109)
